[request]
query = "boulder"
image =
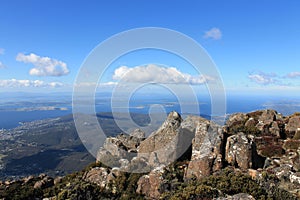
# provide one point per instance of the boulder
(138, 133)
(46, 182)
(163, 141)
(241, 196)
(239, 151)
(115, 147)
(206, 150)
(268, 116)
(295, 178)
(131, 142)
(251, 122)
(274, 129)
(150, 185)
(292, 126)
(58, 180)
(97, 176)
(235, 120)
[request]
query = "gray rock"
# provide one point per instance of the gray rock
(268, 116)
(150, 185)
(163, 141)
(292, 126)
(138, 133)
(239, 151)
(206, 150)
(97, 176)
(241, 196)
(295, 178)
(236, 119)
(46, 182)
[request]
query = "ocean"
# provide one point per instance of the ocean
(12, 113)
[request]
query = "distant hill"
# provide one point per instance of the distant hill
(50, 146)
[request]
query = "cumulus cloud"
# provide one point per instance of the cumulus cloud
(2, 65)
(263, 78)
(158, 74)
(2, 51)
(44, 66)
(293, 75)
(213, 33)
(15, 83)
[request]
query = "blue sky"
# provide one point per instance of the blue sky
(255, 44)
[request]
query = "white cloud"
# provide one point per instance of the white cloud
(44, 66)
(263, 78)
(157, 74)
(293, 75)
(2, 65)
(213, 33)
(94, 84)
(14, 83)
(108, 84)
(2, 51)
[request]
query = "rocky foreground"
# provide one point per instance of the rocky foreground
(253, 156)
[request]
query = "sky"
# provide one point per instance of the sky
(255, 44)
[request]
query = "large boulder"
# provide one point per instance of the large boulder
(268, 116)
(239, 151)
(236, 120)
(97, 176)
(131, 142)
(164, 141)
(206, 150)
(292, 126)
(46, 182)
(150, 185)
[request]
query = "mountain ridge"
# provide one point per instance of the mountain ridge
(253, 156)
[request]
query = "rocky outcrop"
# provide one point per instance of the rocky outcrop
(206, 149)
(118, 151)
(97, 176)
(292, 125)
(45, 182)
(164, 141)
(150, 185)
(264, 145)
(239, 151)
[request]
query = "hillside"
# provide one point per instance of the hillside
(253, 156)
(50, 146)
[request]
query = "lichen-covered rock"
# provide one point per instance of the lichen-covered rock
(206, 150)
(138, 133)
(274, 129)
(133, 140)
(283, 172)
(97, 176)
(291, 145)
(200, 168)
(240, 196)
(164, 141)
(237, 119)
(268, 116)
(251, 122)
(46, 182)
(58, 180)
(149, 185)
(239, 151)
(115, 147)
(292, 125)
(295, 178)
